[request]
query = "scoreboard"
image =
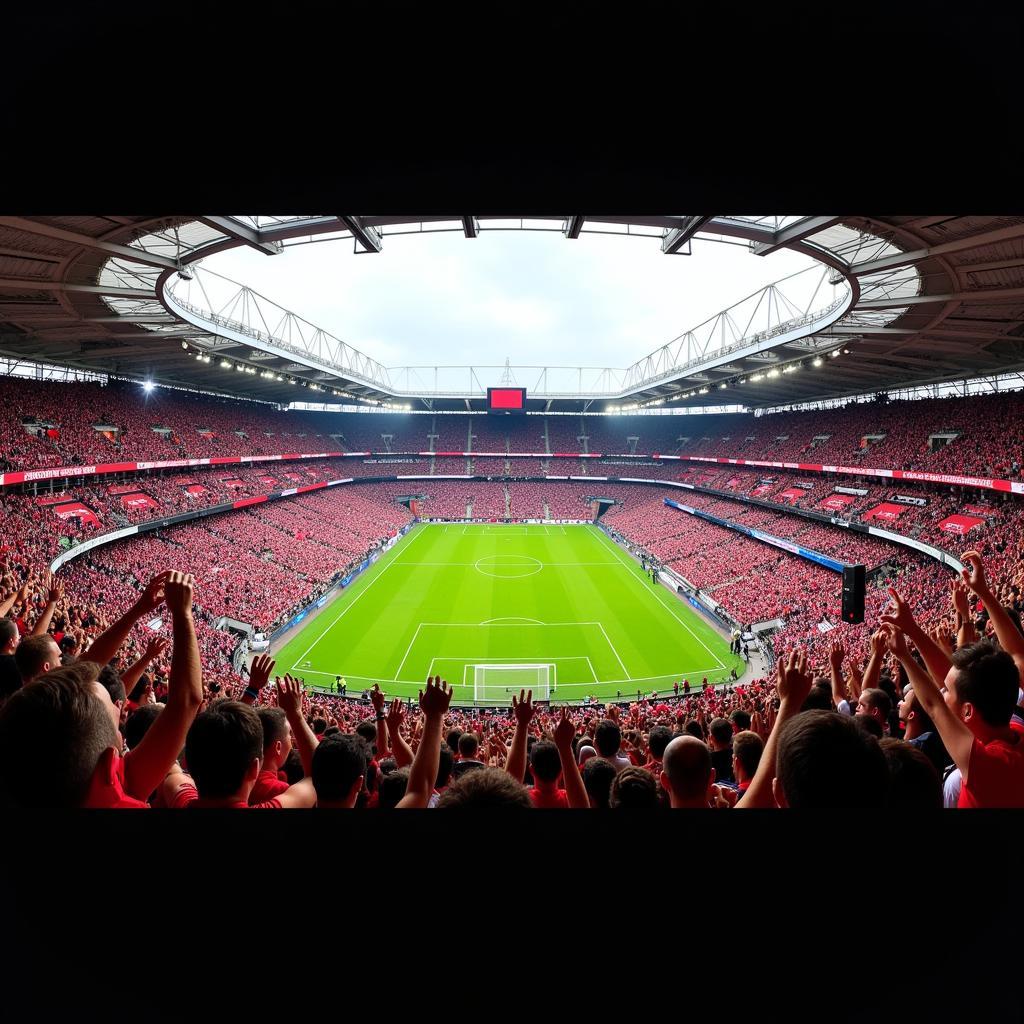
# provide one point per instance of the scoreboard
(507, 401)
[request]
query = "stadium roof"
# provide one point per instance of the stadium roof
(900, 301)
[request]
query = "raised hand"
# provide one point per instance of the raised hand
(178, 592)
(612, 713)
(901, 616)
(289, 695)
(259, 671)
(878, 641)
(156, 647)
(396, 715)
(836, 654)
(523, 708)
(377, 699)
(961, 596)
(54, 589)
(565, 731)
(942, 639)
(896, 642)
(434, 700)
(973, 573)
(153, 596)
(793, 682)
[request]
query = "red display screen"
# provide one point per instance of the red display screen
(506, 399)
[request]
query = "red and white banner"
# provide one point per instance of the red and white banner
(887, 510)
(836, 502)
(762, 489)
(791, 494)
(979, 510)
(76, 510)
(960, 524)
(123, 488)
(195, 490)
(138, 501)
(232, 482)
(54, 499)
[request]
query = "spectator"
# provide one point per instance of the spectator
(720, 741)
(607, 741)
(913, 782)
(598, 776)
(747, 748)
(634, 788)
(467, 762)
(687, 774)
(485, 788)
(339, 771)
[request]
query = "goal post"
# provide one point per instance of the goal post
(498, 683)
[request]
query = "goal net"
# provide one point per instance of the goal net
(498, 683)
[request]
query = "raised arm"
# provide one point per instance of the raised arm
(289, 699)
(956, 737)
(794, 684)
(836, 656)
(154, 649)
(55, 591)
(434, 701)
(148, 764)
(378, 700)
(961, 597)
(18, 596)
(874, 666)
(575, 790)
(105, 646)
(259, 675)
(401, 750)
(523, 711)
(1009, 637)
(935, 658)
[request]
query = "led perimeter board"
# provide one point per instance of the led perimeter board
(507, 401)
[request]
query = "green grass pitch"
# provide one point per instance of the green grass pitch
(449, 597)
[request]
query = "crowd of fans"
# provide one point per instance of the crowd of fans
(121, 658)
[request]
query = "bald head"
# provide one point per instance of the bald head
(686, 771)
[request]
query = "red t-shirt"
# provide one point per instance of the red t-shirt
(996, 773)
(268, 785)
(107, 789)
(548, 797)
(188, 796)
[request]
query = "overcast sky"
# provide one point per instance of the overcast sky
(442, 299)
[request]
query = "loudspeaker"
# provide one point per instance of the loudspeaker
(853, 593)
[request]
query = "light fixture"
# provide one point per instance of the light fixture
(184, 345)
(756, 377)
(294, 381)
(225, 364)
(834, 353)
(773, 372)
(702, 391)
(147, 386)
(199, 356)
(846, 351)
(818, 361)
(722, 386)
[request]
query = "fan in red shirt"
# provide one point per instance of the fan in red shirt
(224, 752)
(546, 767)
(973, 710)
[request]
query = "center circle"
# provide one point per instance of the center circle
(508, 567)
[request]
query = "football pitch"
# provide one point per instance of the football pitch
(504, 606)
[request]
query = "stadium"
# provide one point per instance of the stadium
(797, 522)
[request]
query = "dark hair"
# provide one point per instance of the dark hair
(32, 654)
(445, 762)
(869, 724)
(369, 733)
(319, 726)
(392, 788)
(878, 700)
(485, 787)
(9, 630)
(139, 689)
(740, 719)
(221, 745)
(913, 780)
(545, 761)
(598, 775)
(687, 763)
(747, 748)
(452, 739)
(987, 678)
(468, 744)
(658, 739)
(52, 734)
(919, 712)
(721, 731)
(292, 767)
(634, 788)
(693, 728)
(607, 738)
(825, 760)
(68, 643)
(819, 699)
(138, 723)
(275, 725)
(110, 680)
(388, 765)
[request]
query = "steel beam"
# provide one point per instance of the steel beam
(676, 238)
(369, 237)
(244, 233)
(992, 295)
(86, 242)
(958, 245)
(794, 233)
(573, 226)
